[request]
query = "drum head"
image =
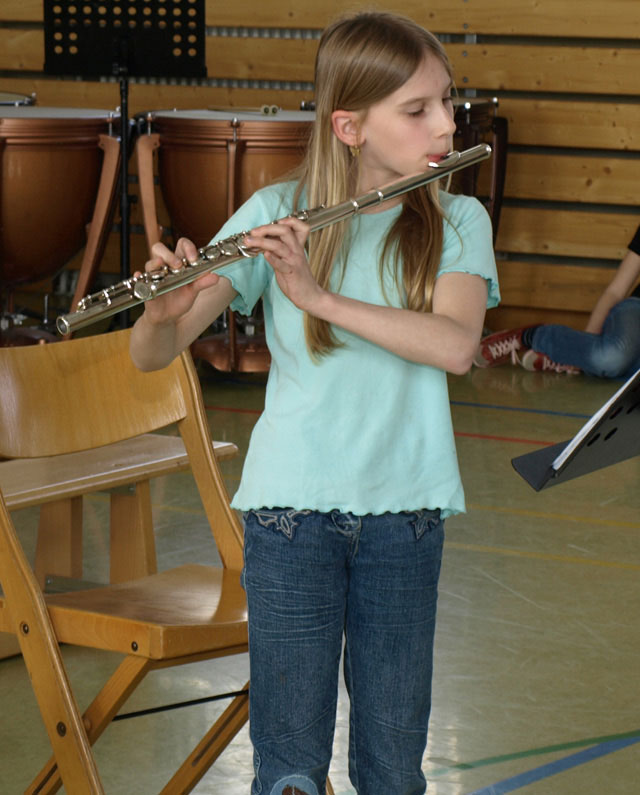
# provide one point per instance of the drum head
(210, 161)
(42, 112)
(9, 98)
(203, 114)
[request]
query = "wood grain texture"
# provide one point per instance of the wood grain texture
(613, 19)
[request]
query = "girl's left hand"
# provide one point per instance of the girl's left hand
(282, 244)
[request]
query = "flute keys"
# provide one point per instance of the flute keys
(144, 286)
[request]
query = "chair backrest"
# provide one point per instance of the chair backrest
(79, 394)
(86, 392)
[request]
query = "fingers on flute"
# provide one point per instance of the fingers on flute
(186, 249)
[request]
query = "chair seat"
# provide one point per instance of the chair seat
(31, 481)
(179, 612)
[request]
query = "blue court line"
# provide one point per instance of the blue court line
(519, 408)
(558, 766)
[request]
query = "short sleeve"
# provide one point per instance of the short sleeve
(250, 277)
(468, 242)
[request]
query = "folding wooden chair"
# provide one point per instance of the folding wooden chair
(79, 395)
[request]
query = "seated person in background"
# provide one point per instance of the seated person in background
(609, 347)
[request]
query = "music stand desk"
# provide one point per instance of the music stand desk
(610, 436)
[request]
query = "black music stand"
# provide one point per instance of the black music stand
(123, 39)
(610, 436)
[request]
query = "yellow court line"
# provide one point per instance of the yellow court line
(492, 550)
(562, 517)
(609, 564)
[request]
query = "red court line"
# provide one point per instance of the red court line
(457, 433)
(503, 438)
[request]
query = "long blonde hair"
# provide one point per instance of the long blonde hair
(361, 59)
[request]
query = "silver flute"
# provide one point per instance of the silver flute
(149, 285)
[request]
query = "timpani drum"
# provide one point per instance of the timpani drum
(50, 171)
(210, 161)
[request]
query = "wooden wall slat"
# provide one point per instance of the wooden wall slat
(569, 178)
(610, 19)
(22, 11)
(613, 19)
(515, 67)
(505, 316)
(437, 15)
(261, 59)
(597, 125)
(566, 233)
(21, 49)
(525, 67)
(147, 97)
(569, 287)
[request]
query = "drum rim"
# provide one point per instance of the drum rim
(39, 112)
(204, 114)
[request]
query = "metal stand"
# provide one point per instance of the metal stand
(611, 435)
(123, 39)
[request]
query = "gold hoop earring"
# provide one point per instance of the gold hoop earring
(355, 150)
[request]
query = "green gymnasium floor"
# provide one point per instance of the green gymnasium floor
(536, 673)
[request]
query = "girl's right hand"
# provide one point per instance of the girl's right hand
(171, 306)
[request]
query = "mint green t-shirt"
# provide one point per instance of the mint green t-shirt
(361, 430)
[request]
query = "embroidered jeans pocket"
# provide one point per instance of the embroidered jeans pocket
(424, 521)
(282, 520)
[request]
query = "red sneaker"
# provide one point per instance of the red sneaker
(499, 348)
(536, 362)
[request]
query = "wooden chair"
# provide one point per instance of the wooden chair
(80, 395)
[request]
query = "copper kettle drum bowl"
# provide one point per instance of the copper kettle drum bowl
(208, 163)
(50, 166)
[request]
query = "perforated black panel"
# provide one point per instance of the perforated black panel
(138, 38)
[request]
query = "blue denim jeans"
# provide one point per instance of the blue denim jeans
(614, 353)
(311, 578)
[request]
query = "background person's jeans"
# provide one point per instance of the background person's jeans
(310, 577)
(614, 353)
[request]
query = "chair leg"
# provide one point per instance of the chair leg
(59, 544)
(98, 716)
(210, 747)
(133, 549)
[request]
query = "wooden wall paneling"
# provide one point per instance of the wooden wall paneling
(21, 49)
(508, 316)
(565, 233)
(441, 15)
(252, 58)
(527, 67)
(22, 11)
(551, 286)
(610, 19)
(546, 293)
(565, 177)
(571, 123)
(613, 19)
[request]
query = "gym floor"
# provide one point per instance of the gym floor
(537, 644)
